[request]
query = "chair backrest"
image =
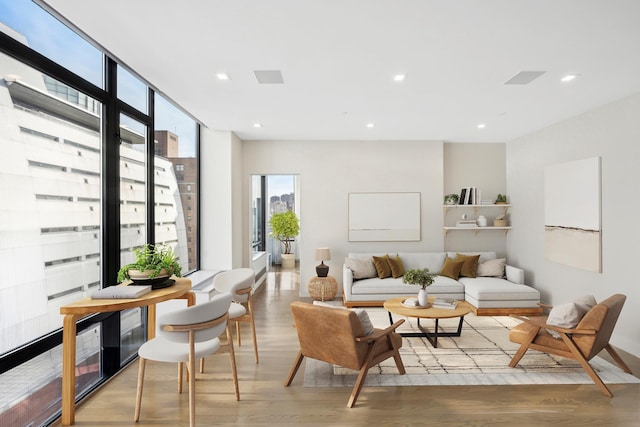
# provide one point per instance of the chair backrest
(602, 317)
(199, 313)
(328, 334)
(234, 280)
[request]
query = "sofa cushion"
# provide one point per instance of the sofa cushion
(395, 287)
(484, 256)
(361, 268)
(491, 268)
(469, 266)
(451, 268)
(431, 260)
(397, 267)
(495, 289)
(382, 266)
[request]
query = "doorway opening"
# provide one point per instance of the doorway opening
(271, 194)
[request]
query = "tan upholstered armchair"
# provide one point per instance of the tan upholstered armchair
(581, 343)
(337, 336)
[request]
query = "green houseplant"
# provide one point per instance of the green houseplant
(284, 227)
(501, 199)
(422, 278)
(152, 261)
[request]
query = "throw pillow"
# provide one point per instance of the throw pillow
(492, 268)
(451, 268)
(382, 266)
(397, 267)
(566, 316)
(367, 326)
(470, 265)
(585, 302)
(361, 268)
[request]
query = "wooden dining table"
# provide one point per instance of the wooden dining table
(76, 310)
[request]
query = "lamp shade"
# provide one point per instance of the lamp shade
(323, 254)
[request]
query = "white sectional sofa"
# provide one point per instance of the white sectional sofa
(487, 295)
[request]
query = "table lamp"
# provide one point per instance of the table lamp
(322, 254)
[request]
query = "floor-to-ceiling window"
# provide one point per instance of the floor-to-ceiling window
(87, 185)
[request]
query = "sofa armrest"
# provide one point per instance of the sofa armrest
(347, 281)
(514, 274)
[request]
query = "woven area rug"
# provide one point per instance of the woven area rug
(480, 356)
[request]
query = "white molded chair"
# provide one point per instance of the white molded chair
(239, 283)
(184, 336)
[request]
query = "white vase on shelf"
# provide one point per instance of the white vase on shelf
(423, 298)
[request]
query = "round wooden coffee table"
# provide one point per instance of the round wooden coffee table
(395, 306)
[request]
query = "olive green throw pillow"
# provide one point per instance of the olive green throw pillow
(397, 267)
(451, 268)
(470, 265)
(382, 266)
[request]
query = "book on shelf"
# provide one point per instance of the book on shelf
(121, 292)
(449, 303)
(466, 223)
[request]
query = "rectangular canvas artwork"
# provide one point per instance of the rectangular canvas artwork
(572, 214)
(384, 217)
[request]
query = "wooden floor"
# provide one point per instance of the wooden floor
(265, 401)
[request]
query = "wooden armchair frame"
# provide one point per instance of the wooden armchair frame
(336, 336)
(581, 343)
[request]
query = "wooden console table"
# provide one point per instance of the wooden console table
(84, 307)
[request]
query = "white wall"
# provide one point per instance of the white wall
(611, 132)
(329, 170)
(221, 235)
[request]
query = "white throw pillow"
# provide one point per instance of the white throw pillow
(361, 268)
(569, 315)
(491, 268)
(367, 326)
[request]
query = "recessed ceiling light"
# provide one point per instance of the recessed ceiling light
(399, 77)
(257, 125)
(223, 76)
(481, 126)
(568, 77)
(370, 125)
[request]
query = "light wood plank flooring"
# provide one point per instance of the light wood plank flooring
(265, 401)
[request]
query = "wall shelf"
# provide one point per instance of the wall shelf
(476, 229)
(505, 207)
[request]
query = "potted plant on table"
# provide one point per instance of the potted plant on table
(284, 227)
(422, 278)
(451, 199)
(154, 265)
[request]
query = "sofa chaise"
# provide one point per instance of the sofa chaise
(496, 289)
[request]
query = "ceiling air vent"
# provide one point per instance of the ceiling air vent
(269, 76)
(524, 77)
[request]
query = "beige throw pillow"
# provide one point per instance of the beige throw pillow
(491, 268)
(361, 268)
(367, 326)
(569, 315)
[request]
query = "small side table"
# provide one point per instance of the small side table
(322, 288)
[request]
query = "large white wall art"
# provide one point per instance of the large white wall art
(572, 214)
(384, 217)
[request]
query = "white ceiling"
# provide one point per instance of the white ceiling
(338, 57)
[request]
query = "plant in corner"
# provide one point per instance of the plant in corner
(422, 278)
(151, 260)
(284, 227)
(501, 199)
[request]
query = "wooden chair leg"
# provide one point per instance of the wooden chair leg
(180, 372)
(136, 416)
(238, 332)
(192, 382)
(358, 385)
(202, 365)
(294, 369)
(616, 357)
(399, 363)
(586, 366)
(253, 332)
(524, 347)
(232, 358)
